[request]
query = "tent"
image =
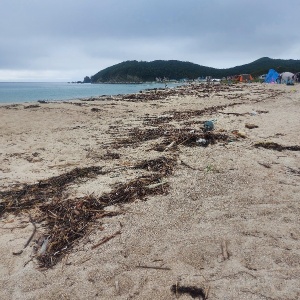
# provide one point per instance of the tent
(244, 78)
(271, 76)
(285, 76)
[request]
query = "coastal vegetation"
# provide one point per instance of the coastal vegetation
(142, 71)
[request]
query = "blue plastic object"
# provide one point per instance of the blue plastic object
(209, 126)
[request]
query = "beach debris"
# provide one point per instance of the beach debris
(153, 267)
(233, 113)
(238, 133)
(44, 246)
(275, 146)
(188, 114)
(106, 239)
(170, 146)
(110, 155)
(262, 111)
(28, 196)
(171, 137)
(18, 252)
(209, 125)
(294, 171)
(224, 250)
(155, 185)
(95, 109)
(193, 291)
(250, 126)
(67, 219)
(163, 165)
(187, 165)
(33, 232)
(31, 106)
(202, 142)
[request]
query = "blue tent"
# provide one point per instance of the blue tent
(271, 76)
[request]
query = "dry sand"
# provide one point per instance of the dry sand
(228, 226)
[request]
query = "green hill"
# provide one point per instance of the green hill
(134, 71)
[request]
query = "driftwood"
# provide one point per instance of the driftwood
(153, 267)
(33, 233)
(224, 250)
(106, 239)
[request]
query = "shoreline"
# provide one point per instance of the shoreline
(57, 91)
(223, 213)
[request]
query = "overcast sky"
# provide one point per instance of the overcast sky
(65, 40)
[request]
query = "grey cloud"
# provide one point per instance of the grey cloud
(89, 35)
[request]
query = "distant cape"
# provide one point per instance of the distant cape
(142, 71)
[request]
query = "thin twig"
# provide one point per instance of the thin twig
(106, 239)
(153, 267)
(224, 250)
(187, 165)
(33, 232)
(207, 292)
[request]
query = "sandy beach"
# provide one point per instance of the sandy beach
(128, 197)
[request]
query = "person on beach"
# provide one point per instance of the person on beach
(278, 80)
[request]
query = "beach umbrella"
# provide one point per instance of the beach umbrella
(286, 75)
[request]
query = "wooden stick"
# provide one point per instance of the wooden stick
(155, 185)
(224, 250)
(33, 233)
(187, 165)
(106, 239)
(152, 267)
(207, 292)
(170, 146)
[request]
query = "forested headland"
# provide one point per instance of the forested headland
(142, 71)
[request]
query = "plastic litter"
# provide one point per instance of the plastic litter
(209, 125)
(202, 142)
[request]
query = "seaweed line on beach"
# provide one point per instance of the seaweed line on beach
(185, 136)
(68, 219)
(276, 146)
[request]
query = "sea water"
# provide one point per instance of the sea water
(19, 92)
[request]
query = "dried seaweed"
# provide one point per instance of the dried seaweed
(294, 171)
(67, 220)
(193, 291)
(183, 115)
(184, 136)
(111, 155)
(162, 164)
(277, 147)
(29, 195)
(32, 106)
(95, 109)
(190, 139)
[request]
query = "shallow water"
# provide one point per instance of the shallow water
(18, 92)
